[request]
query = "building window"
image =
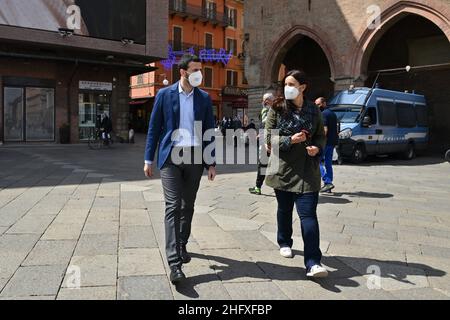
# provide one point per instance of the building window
(177, 39)
(232, 17)
(232, 78)
(179, 5)
(208, 77)
(208, 41)
(140, 79)
(175, 73)
(232, 46)
(244, 79)
(210, 10)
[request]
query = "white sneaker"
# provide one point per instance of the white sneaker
(286, 252)
(317, 272)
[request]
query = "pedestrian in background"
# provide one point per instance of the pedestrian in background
(332, 133)
(267, 102)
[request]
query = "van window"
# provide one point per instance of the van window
(388, 113)
(406, 115)
(372, 113)
(422, 116)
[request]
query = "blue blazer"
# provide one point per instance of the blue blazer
(165, 120)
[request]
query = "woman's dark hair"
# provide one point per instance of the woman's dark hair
(281, 104)
(298, 75)
(186, 60)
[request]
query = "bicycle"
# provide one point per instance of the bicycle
(99, 139)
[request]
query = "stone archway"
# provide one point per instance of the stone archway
(418, 35)
(433, 11)
(280, 49)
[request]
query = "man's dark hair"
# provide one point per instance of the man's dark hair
(186, 60)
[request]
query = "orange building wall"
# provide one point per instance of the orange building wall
(194, 33)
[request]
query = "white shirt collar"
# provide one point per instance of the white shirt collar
(180, 90)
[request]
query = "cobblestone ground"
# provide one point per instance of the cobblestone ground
(66, 211)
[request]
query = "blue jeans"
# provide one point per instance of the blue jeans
(306, 205)
(326, 166)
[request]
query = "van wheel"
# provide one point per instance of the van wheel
(410, 152)
(359, 154)
(447, 155)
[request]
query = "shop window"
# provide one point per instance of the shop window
(91, 106)
(40, 114)
(13, 114)
(29, 114)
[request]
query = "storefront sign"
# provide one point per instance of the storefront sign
(95, 85)
(205, 55)
(235, 91)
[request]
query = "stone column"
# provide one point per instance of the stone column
(121, 106)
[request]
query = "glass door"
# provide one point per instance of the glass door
(29, 114)
(40, 115)
(13, 114)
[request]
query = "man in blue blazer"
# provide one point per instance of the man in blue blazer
(182, 114)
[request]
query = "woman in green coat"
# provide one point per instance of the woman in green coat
(296, 137)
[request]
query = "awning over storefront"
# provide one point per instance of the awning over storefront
(235, 97)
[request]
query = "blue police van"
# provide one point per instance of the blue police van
(379, 122)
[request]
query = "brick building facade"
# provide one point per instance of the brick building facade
(340, 43)
(54, 75)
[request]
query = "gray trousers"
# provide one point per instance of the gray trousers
(180, 183)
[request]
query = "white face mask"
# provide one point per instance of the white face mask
(291, 93)
(196, 79)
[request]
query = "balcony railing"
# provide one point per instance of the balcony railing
(200, 13)
(186, 46)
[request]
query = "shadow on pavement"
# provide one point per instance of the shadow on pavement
(362, 194)
(393, 160)
(229, 269)
(333, 200)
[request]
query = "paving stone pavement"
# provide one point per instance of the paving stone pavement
(81, 224)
